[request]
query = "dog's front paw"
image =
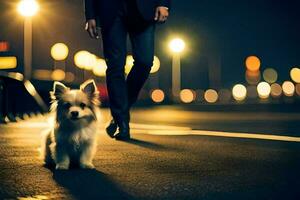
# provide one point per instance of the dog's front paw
(87, 166)
(62, 167)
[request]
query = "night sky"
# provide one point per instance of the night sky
(228, 30)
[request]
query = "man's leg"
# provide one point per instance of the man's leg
(142, 40)
(114, 43)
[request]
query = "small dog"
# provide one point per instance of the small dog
(73, 140)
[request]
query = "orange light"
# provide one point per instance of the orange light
(211, 96)
(187, 96)
(157, 96)
(288, 88)
(253, 63)
(253, 78)
(4, 46)
(58, 75)
(59, 51)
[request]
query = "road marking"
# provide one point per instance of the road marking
(220, 134)
(167, 130)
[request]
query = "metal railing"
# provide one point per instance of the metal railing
(18, 97)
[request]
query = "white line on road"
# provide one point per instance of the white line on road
(221, 134)
(169, 130)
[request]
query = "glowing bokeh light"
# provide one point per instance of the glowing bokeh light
(177, 45)
(130, 62)
(42, 74)
(288, 88)
(253, 78)
(157, 96)
(85, 60)
(58, 75)
(253, 63)
(59, 51)
(263, 90)
(211, 96)
(276, 90)
(295, 74)
(28, 8)
(187, 96)
(270, 75)
(156, 65)
(239, 92)
(9, 62)
(100, 68)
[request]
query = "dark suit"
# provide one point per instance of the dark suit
(120, 18)
(106, 10)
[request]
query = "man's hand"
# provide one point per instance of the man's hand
(91, 28)
(161, 14)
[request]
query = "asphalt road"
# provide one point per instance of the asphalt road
(163, 161)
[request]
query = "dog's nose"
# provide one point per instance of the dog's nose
(74, 114)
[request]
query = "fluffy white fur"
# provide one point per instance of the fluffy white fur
(73, 140)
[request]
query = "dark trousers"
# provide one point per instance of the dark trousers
(124, 92)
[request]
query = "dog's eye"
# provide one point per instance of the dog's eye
(82, 105)
(67, 105)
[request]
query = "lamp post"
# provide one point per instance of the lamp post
(28, 8)
(176, 46)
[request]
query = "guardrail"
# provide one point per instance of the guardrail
(18, 98)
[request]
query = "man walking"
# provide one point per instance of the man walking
(119, 18)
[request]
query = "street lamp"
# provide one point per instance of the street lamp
(176, 46)
(28, 8)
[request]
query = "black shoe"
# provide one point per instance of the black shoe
(124, 131)
(111, 128)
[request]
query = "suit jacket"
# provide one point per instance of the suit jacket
(106, 10)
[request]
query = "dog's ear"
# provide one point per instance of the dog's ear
(89, 87)
(58, 89)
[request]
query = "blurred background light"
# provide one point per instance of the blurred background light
(100, 68)
(177, 45)
(239, 92)
(59, 51)
(42, 74)
(211, 96)
(156, 65)
(85, 60)
(270, 75)
(129, 64)
(263, 90)
(288, 88)
(295, 74)
(187, 96)
(276, 90)
(253, 77)
(58, 75)
(28, 8)
(9, 62)
(157, 96)
(253, 63)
